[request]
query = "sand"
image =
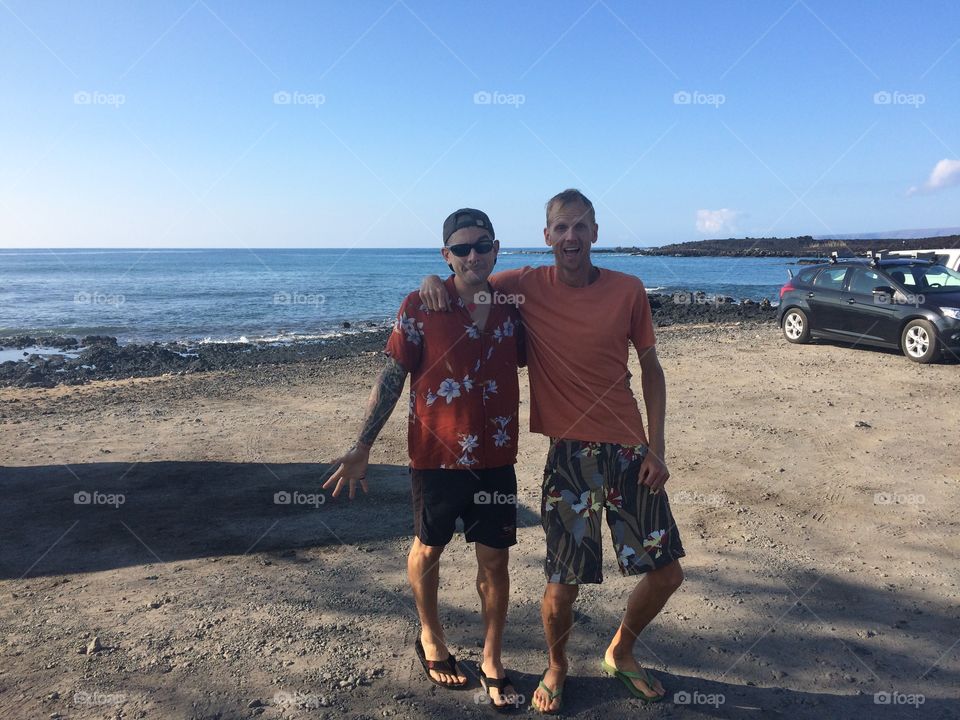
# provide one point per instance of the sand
(815, 488)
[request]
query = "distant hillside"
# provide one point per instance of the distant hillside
(895, 234)
(803, 246)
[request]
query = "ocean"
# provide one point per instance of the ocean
(229, 295)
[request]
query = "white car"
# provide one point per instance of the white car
(944, 256)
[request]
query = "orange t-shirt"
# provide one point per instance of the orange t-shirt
(577, 349)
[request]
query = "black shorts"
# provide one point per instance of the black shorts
(486, 501)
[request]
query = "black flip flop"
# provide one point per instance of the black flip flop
(448, 666)
(499, 683)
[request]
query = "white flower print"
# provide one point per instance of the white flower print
(472, 331)
(476, 368)
(468, 443)
(467, 383)
(431, 398)
(498, 335)
(489, 388)
(508, 328)
(449, 389)
(503, 421)
(411, 327)
(500, 438)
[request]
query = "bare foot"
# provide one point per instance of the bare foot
(494, 670)
(553, 679)
(628, 663)
(435, 649)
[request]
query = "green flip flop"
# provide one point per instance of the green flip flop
(551, 696)
(628, 676)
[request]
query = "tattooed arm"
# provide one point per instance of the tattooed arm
(352, 467)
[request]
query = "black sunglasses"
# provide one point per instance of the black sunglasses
(463, 249)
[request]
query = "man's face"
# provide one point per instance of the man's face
(473, 268)
(570, 232)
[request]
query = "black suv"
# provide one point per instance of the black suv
(913, 305)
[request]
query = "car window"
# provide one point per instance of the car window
(905, 276)
(830, 278)
(937, 276)
(864, 281)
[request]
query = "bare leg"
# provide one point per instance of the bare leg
(423, 570)
(643, 605)
(493, 586)
(557, 615)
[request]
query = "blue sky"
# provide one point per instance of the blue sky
(207, 123)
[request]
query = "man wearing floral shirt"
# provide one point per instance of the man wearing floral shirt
(580, 321)
(462, 441)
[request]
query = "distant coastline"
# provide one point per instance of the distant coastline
(802, 246)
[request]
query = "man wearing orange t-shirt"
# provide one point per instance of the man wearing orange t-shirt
(580, 321)
(462, 442)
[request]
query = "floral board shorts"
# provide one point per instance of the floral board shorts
(579, 481)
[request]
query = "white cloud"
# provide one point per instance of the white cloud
(945, 173)
(717, 222)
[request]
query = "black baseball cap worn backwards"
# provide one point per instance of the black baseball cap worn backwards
(464, 218)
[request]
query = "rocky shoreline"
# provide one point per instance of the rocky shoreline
(99, 357)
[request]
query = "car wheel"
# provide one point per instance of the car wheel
(796, 329)
(919, 341)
